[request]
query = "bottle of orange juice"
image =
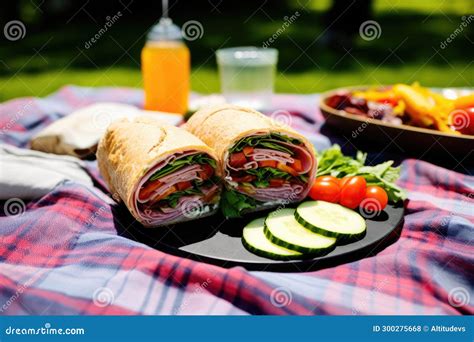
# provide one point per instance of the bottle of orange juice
(166, 68)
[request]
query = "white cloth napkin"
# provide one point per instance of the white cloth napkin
(78, 133)
(28, 174)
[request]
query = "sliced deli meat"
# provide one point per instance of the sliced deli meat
(263, 162)
(162, 173)
(150, 189)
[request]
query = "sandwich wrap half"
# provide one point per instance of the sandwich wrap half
(264, 163)
(162, 173)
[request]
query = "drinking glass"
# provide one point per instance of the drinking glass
(247, 75)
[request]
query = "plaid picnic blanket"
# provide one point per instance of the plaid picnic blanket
(55, 260)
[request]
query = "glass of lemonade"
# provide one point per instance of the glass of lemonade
(247, 75)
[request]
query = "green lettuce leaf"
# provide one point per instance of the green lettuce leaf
(261, 183)
(199, 158)
(333, 162)
(233, 202)
(274, 146)
(266, 173)
(265, 141)
(172, 200)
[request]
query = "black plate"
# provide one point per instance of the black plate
(217, 241)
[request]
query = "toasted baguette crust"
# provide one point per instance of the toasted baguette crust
(129, 149)
(222, 126)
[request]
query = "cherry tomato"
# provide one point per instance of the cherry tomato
(376, 198)
(469, 129)
(325, 191)
(343, 181)
(353, 192)
(327, 179)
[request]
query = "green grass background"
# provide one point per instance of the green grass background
(408, 50)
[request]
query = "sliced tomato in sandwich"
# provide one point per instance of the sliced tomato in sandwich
(268, 163)
(288, 169)
(206, 172)
(297, 165)
(248, 150)
(183, 185)
(244, 179)
(237, 159)
(148, 189)
(168, 192)
(276, 182)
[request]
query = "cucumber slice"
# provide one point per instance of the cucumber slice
(255, 241)
(282, 229)
(331, 220)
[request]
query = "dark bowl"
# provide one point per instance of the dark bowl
(409, 138)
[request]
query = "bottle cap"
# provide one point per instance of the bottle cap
(165, 30)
